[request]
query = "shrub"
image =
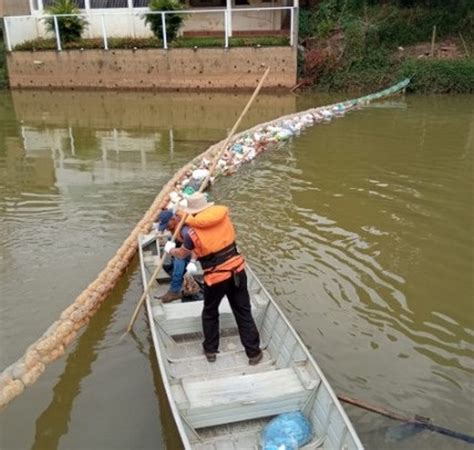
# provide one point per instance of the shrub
(3, 63)
(173, 21)
(70, 28)
(153, 42)
(439, 76)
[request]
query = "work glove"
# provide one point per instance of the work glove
(191, 268)
(170, 245)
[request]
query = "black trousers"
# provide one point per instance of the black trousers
(239, 301)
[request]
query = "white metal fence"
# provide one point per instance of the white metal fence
(126, 23)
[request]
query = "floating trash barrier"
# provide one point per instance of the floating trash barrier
(247, 145)
(243, 148)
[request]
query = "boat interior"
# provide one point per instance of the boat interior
(226, 404)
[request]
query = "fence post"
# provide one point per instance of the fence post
(226, 29)
(292, 25)
(163, 23)
(229, 16)
(7, 35)
(131, 17)
(56, 29)
(87, 5)
(40, 6)
(104, 33)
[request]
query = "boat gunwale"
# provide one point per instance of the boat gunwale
(323, 378)
(164, 374)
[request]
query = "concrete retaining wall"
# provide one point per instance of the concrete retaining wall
(153, 68)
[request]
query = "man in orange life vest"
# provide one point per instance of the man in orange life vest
(209, 235)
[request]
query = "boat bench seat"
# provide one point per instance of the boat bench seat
(182, 318)
(229, 399)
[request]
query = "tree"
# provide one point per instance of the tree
(173, 21)
(70, 27)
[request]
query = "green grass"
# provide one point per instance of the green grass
(131, 43)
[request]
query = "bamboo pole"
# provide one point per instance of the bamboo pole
(433, 39)
(201, 189)
(466, 50)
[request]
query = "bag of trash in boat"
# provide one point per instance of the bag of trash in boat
(288, 431)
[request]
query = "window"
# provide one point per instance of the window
(207, 3)
(109, 3)
(48, 3)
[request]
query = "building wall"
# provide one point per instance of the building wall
(14, 7)
(153, 68)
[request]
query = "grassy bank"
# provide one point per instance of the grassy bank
(367, 44)
(3, 64)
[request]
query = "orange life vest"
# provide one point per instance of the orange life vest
(213, 236)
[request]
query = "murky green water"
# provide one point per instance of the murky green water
(362, 229)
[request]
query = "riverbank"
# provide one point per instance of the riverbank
(349, 47)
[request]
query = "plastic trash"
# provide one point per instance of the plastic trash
(174, 197)
(189, 190)
(273, 130)
(248, 141)
(284, 134)
(317, 117)
(194, 184)
(200, 174)
(257, 137)
(250, 155)
(288, 431)
(327, 115)
(236, 148)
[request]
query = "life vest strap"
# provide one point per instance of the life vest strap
(212, 260)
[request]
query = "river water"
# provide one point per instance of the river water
(361, 229)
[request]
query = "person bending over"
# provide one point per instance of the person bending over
(176, 268)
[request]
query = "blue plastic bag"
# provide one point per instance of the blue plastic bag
(288, 431)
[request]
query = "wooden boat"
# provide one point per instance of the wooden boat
(226, 404)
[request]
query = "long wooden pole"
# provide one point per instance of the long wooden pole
(466, 50)
(422, 422)
(201, 189)
(433, 39)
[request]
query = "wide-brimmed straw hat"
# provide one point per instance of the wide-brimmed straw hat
(197, 202)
